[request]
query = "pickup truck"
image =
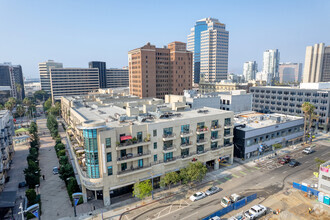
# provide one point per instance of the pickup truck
(308, 150)
(255, 212)
(226, 201)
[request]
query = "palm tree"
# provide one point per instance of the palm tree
(308, 110)
(27, 102)
(20, 111)
(18, 90)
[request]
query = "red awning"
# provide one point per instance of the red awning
(123, 138)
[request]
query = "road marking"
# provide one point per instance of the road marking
(242, 172)
(219, 182)
(190, 215)
(227, 178)
(235, 176)
(285, 171)
(257, 168)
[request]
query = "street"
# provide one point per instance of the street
(264, 179)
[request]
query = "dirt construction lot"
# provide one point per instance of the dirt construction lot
(293, 205)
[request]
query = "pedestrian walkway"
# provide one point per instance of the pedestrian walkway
(54, 197)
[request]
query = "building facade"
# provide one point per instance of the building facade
(255, 133)
(271, 61)
(236, 101)
(44, 71)
(209, 42)
(223, 86)
(288, 100)
(317, 64)
(250, 70)
(12, 76)
(138, 139)
(290, 72)
(31, 88)
(5, 94)
(117, 77)
(73, 81)
(102, 66)
(324, 178)
(6, 144)
(156, 72)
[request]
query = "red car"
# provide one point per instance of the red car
(284, 160)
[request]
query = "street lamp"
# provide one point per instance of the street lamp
(76, 197)
(34, 209)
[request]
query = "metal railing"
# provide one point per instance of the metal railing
(128, 156)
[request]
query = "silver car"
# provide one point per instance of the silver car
(212, 190)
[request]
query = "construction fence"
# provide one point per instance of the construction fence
(234, 206)
(305, 189)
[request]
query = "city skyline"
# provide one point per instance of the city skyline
(86, 38)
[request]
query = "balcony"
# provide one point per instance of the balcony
(216, 148)
(169, 149)
(128, 145)
(133, 157)
(169, 137)
(202, 130)
(228, 144)
(229, 135)
(203, 152)
(215, 139)
(170, 161)
(186, 145)
(201, 141)
(133, 170)
(229, 125)
(186, 133)
(216, 128)
(187, 156)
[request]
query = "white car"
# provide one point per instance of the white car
(212, 190)
(255, 212)
(215, 218)
(308, 150)
(197, 196)
(55, 170)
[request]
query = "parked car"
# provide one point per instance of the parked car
(239, 216)
(212, 190)
(284, 160)
(197, 196)
(22, 184)
(308, 150)
(293, 163)
(255, 212)
(55, 170)
(215, 218)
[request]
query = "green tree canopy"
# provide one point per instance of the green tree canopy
(170, 178)
(20, 110)
(142, 189)
(41, 95)
(47, 104)
(66, 171)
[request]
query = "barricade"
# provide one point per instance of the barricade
(305, 189)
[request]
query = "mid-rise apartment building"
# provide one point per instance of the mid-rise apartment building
(256, 133)
(126, 139)
(224, 85)
(44, 71)
(290, 72)
(117, 78)
(288, 100)
(156, 72)
(12, 76)
(209, 42)
(317, 64)
(250, 70)
(73, 81)
(6, 144)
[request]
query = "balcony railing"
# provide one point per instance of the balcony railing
(201, 141)
(170, 160)
(186, 156)
(202, 130)
(133, 169)
(216, 148)
(228, 144)
(229, 124)
(186, 145)
(186, 133)
(167, 137)
(133, 144)
(201, 151)
(228, 135)
(168, 149)
(214, 139)
(132, 156)
(215, 128)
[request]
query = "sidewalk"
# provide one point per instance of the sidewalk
(54, 196)
(115, 210)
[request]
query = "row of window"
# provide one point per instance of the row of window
(323, 95)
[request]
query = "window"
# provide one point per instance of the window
(109, 170)
(140, 149)
(140, 163)
(154, 132)
(123, 166)
(108, 142)
(200, 149)
(168, 131)
(139, 136)
(155, 145)
(109, 158)
(227, 121)
(155, 157)
(168, 156)
(185, 129)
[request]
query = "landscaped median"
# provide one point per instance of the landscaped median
(65, 170)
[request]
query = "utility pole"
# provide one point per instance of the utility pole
(21, 211)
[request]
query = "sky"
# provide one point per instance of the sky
(75, 32)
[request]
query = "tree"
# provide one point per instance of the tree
(55, 110)
(40, 95)
(196, 171)
(277, 146)
(20, 111)
(32, 179)
(308, 110)
(63, 160)
(47, 104)
(2, 107)
(10, 104)
(66, 171)
(31, 196)
(170, 178)
(318, 162)
(142, 189)
(52, 125)
(27, 101)
(19, 90)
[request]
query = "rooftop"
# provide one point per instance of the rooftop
(255, 120)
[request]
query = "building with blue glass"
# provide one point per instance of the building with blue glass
(208, 41)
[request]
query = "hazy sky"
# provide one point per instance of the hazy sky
(76, 32)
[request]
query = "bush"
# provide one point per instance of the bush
(58, 140)
(61, 153)
(31, 196)
(32, 179)
(59, 147)
(66, 171)
(63, 160)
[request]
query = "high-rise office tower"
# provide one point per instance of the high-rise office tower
(317, 64)
(44, 71)
(12, 76)
(117, 77)
(290, 72)
(156, 72)
(250, 69)
(208, 41)
(271, 60)
(102, 72)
